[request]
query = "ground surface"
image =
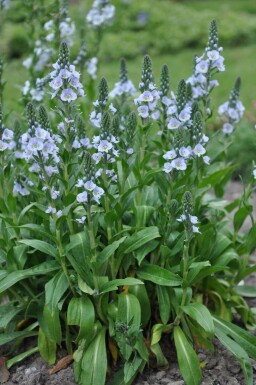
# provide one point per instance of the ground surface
(220, 369)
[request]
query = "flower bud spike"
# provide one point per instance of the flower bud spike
(234, 94)
(147, 76)
(103, 94)
(173, 208)
(164, 80)
(179, 140)
(189, 93)
(31, 116)
(132, 121)
(43, 118)
(213, 36)
(123, 77)
(195, 108)
(1, 121)
(115, 125)
(197, 125)
(181, 95)
(88, 166)
(80, 125)
(64, 55)
(105, 123)
(17, 130)
(187, 202)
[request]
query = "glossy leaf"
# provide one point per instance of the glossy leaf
(164, 303)
(200, 314)
(131, 368)
(42, 246)
(81, 312)
(106, 253)
(141, 294)
(8, 337)
(113, 285)
(54, 290)
(158, 275)
(139, 239)
(246, 340)
(239, 353)
(47, 347)
(16, 276)
(189, 363)
(94, 361)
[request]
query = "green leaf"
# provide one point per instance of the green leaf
(143, 214)
(246, 291)
(81, 312)
(16, 276)
(104, 255)
(113, 285)
(200, 314)
(240, 217)
(7, 313)
(141, 294)
(144, 250)
(189, 363)
(158, 275)
(242, 337)
(94, 361)
(21, 357)
(47, 347)
(164, 303)
(8, 337)
(132, 367)
(239, 353)
(52, 322)
(54, 290)
(139, 239)
(42, 246)
(129, 308)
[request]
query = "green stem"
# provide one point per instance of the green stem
(63, 261)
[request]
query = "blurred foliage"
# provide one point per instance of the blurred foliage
(141, 26)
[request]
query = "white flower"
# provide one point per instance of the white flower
(185, 152)
(104, 146)
(170, 154)
(227, 128)
(202, 67)
(179, 164)
(167, 167)
(199, 150)
(213, 55)
(143, 111)
(173, 124)
(82, 197)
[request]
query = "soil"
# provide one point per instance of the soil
(219, 369)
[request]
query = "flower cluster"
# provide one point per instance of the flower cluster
(6, 135)
(187, 218)
(179, 156)
(124, 86)
(35, 93)
(148, 99)
(206, 65)
(88, 183)
(102, 13)
(65, 78)
(231, 111)
(38, 146)
(20, 188)
(66, 27)
(178, 108)
(100, 104)
(42, 55)
(104, 143)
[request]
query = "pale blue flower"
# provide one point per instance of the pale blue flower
(199, 150)
(68, 95)
(82, 197)
(179, 164)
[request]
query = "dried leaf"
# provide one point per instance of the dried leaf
(62, 364)
(113, 349)
(4, 372)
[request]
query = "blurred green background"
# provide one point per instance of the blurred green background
(171, 32)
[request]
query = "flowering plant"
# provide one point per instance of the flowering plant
(110, 238)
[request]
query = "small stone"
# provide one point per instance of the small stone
(160, 375)
(211, 363)
(233, 381)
